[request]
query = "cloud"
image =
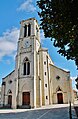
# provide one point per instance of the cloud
(73, 78)
(8, 62)
(42, 37)
(8, 42)
(27, 6)
(74, 83)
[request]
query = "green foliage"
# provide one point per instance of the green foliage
(59, 20)
(76, 82)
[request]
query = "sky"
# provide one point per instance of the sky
(11, 13)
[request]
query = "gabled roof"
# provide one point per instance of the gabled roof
(60, 68)
(8, 74)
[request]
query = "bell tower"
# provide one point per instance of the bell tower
(28, 47)
(29, 28)
(29, 34)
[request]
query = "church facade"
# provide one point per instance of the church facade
(36, 81)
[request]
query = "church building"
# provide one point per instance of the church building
(36, 81)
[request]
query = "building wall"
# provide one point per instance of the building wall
(63, 82)
(38, 80)
(26, 85)
(41, 76)
(44, 75)
(9, 87)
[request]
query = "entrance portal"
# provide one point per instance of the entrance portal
(10, 100)
(60, 98)
(26, 98)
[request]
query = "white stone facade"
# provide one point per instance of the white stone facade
(35, 80)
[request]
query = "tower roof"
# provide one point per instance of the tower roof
(29, 20)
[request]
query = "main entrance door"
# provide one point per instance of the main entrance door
(60, 98)
(25, 98)
(10, 100)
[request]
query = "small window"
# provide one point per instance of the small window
(45, 85)
(45, 62)
(25, 30)
(45, 73)
(26, 67)
(57, 77)
(46, 97)
(29, 30)
(37, 31)
(10, 81)
(3, 83)
(9, 91)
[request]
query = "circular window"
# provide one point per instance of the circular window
(57, 77)
(10, 81)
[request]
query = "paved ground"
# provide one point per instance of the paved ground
(76, 109)
(49, 112)
(76, 106)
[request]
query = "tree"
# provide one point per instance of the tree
(59, 20)
(76, 82)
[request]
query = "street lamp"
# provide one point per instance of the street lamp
(69, 97)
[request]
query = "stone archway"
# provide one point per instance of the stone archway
(10, 98)
(59, 95)
(60, 98)
(26, 95)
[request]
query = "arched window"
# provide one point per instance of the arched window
(29, 29)
(25, 30)
(26, 67)
(37, 31)
(9, 98)
(9, 92)
(58, 89)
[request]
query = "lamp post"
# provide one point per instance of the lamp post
(69, 96)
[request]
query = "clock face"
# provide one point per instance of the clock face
(27, 44)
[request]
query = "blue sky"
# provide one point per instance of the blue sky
(11, 13)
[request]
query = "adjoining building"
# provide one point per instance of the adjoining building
(75, 96)
(36, 81)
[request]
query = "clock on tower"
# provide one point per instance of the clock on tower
(27, 44)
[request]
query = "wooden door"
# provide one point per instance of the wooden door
(10, 100)
(25, 98)
(60, 98)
